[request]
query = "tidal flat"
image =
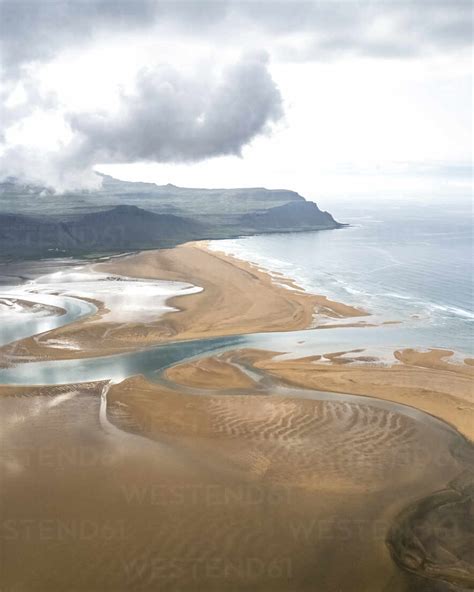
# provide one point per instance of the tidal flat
(228, 444)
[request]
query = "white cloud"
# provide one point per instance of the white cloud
(168, 116)
(365, 83)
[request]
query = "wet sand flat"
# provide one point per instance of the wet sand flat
(174, 491)
(237, 298)
(424, 380)
(421, 381)
(239, 471)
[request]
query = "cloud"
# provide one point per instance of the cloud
(34, 30)
(169, 117)
(55, 169)
(176, 117)
(392, 28)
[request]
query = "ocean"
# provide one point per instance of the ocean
(404, 261)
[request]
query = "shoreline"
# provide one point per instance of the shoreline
(326, 306)
(236, 299)
(239, 298)
(421, 380)
(235, 422)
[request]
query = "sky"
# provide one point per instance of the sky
(334, 98)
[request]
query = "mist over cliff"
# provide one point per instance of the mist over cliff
(122, 215)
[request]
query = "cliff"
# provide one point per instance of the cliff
(121, 215)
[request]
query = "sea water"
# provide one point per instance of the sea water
(401, 261)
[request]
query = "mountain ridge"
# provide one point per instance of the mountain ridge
(124, 215)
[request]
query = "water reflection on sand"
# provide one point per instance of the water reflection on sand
(116, 482)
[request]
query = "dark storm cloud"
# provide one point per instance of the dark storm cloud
(171, 117)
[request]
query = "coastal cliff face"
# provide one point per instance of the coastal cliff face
(34, 221)
(297, 215)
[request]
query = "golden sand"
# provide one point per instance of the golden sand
(237, 298)
(233, 485)
(213, 373)
(422, 380)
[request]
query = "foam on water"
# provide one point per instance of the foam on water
(412, 264)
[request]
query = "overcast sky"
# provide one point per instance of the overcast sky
(330, 98)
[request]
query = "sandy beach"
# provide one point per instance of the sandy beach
(422, 380)
(238, 471)
(237, 298)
